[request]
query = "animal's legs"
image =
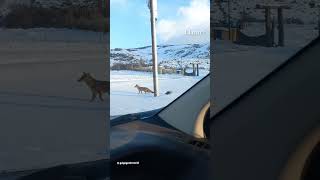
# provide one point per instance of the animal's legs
(100, 96)
(94, 94)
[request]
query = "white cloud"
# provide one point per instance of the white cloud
(167, 29)
(195, 18)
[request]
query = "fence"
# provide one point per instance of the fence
(138, 67)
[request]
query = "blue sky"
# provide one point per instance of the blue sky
(130, 22)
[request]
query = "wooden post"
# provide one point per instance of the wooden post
(280, 27)
(268, 26)
(197, 69)
(273, 25)
(319, 27)
(267, 9)
(193, 69)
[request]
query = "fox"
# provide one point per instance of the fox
(96, 86)
(143, 89)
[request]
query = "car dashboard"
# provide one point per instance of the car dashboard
(143, 149)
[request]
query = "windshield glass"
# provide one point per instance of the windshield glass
(182, 40)
(252, 38)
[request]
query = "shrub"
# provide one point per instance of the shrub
(84, 18)
(139, 67)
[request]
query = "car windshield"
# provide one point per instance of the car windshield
(252, 38)
(182, 45)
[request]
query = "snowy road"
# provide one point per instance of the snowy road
(46, 118)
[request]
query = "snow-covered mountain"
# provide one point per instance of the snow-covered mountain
(6, 5)
(65, 3)
(301, 11)
(79, 14)
(168, 55)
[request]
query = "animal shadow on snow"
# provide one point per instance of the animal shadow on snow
(131, 94)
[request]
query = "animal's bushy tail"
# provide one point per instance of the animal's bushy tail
(168, 92)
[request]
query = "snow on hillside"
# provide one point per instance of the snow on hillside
(65, 3)
(5, 5)
(301, 11)
(168, 55)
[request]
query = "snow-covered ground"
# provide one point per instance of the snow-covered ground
(46, 117)
(124, 97)
(295, 35)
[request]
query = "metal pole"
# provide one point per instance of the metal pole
(154, 48)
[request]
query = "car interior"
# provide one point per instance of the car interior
(272, 130)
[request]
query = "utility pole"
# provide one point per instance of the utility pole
(153, 11)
